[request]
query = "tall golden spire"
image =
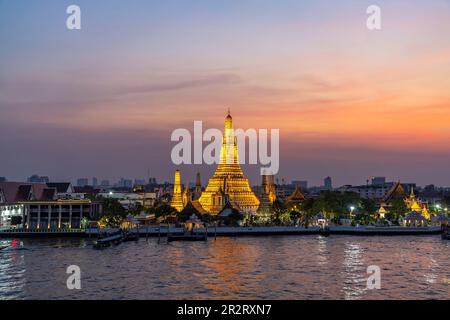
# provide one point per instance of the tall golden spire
(177, 199)
(229, 173)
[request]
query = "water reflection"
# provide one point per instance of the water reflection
(12, 270)
(354, 271)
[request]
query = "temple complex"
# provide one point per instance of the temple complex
(413, 204)
(416, 205)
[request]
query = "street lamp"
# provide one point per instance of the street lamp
(352, 208)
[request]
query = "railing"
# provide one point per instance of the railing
(41, 230)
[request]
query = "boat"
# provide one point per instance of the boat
(3, 247)
(114, 238)
(445, 236)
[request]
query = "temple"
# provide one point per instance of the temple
(413, 204)
(267, 197)
(229, 182)
(177, 198)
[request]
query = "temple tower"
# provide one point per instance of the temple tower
(229, 178)
(177, 199)
(198, 187)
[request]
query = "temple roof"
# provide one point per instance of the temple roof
(229, 205)
(193, 207)
(296, 196)
(396, 192)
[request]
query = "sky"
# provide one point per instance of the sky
(350, 103)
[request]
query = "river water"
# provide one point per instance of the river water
(278, 267)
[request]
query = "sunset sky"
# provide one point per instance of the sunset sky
(349, 102)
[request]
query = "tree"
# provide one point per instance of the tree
(136, 209)
(398, 209)
(279, 208)
(163, 210)
(112, 207)
(295, 215)
(233, 219)
(113, 213)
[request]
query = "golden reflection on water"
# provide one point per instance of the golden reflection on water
(234, 263)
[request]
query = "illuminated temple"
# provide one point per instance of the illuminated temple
(229, 183)
(177, 198)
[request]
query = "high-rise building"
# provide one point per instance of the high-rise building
(378, 181)
(229, 182)
(328, 184)
(105, 183)
(94, 182)
(38, 179)
(303, 184)
(82, 182)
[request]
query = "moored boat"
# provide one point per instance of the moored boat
(114, 238)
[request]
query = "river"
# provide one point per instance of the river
(277, 267)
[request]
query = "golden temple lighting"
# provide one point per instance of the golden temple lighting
(229, 182)
(177, 199)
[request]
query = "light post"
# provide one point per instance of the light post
(352, 208)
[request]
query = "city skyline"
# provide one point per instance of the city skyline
(102, 101)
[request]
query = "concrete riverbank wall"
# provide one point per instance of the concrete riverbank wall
(232, 231)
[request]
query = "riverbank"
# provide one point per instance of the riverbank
(155, 231)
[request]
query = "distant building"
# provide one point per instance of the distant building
(3, 179)
(303, 184)
(104, 183)
(82, 182)
(375, 192)
(94, 182)
(131, 199)
(125, 183)
(139, 182)
(38, 179)
(327, 183)
(378, 181)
